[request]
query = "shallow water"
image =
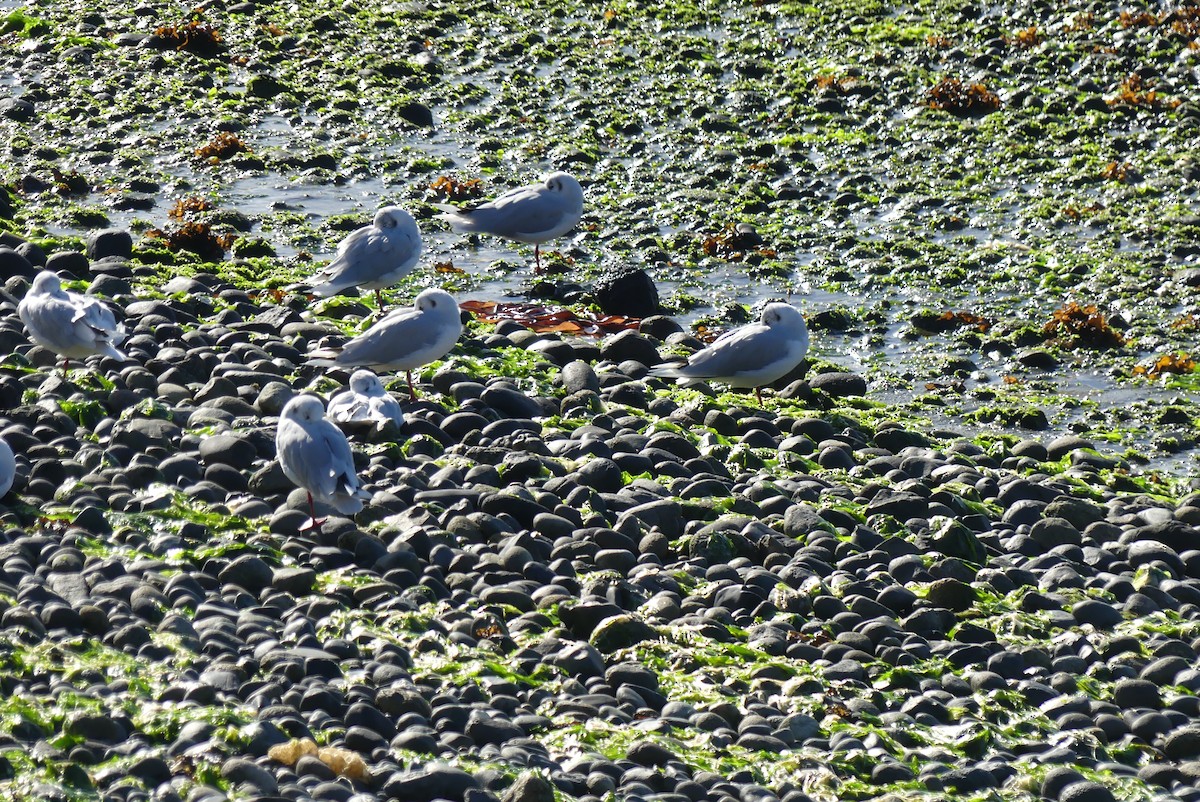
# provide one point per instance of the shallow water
(506, 113)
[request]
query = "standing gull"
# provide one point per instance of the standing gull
(366, 400)
(534, 214)
(374, 256)
(750, 356)
(72, 326)
(316, 456)
(404, 340)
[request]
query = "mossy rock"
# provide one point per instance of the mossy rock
(621, 632)
(714, 547)
(251, 246)
(952, 539)
(266, 87)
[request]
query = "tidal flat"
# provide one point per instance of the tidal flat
(962, 562)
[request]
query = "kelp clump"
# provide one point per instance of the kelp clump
(195, 36)
(186, 207)
(1167, 363)
(222, 146)
(449, 188)
(961, 99)
(1138, 92)
(1184, 21)
(547, 319)
(1121, 172)
(1025, 39)
(734, 243)
(194, 235)
(934, 322)
(1076, 326)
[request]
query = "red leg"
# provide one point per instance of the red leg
(312, 522)
(379, 300)
(537, 258)
(758, 392)
(412, 391)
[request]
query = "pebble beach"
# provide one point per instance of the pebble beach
(954, 553)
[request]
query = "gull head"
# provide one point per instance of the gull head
(780, 315)
(304, 408)
(46, 283)
(564, 184)
(390, 217)
(436, 301)
(364, 382)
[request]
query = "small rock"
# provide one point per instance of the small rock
(1057, 779)
(239, 770)
(249, 571)
(648, 753)
(109, 242)
(839, 385)
(530, 788)
(12, 263)
(630, 345)
(1086, 791)
(416, 113)
(1099, 614)
(1037, 358)
(16, 109)
(1060, 447)
(265, 86)
(434, 782)
(629, 291)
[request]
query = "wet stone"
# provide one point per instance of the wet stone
(1096, 613)
(109, 242)
(240, 771)
(839, 385)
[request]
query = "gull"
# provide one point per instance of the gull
(404, 340)
(533, 214)
(8, 468)
(72, 326)
(316, 457)
(366, 400)
(374, 256)
(749, 356)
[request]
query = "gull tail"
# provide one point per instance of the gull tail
(459, 219)
(349, 500)
(672, 371)
(325, 290)
(324, 357)
(109, 350)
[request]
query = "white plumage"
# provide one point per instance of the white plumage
(365, 400)
(533, 214)
(404, 340)
(749, 356)
(72, 326)
(8, 468)
(315, 456)
(374, 256)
